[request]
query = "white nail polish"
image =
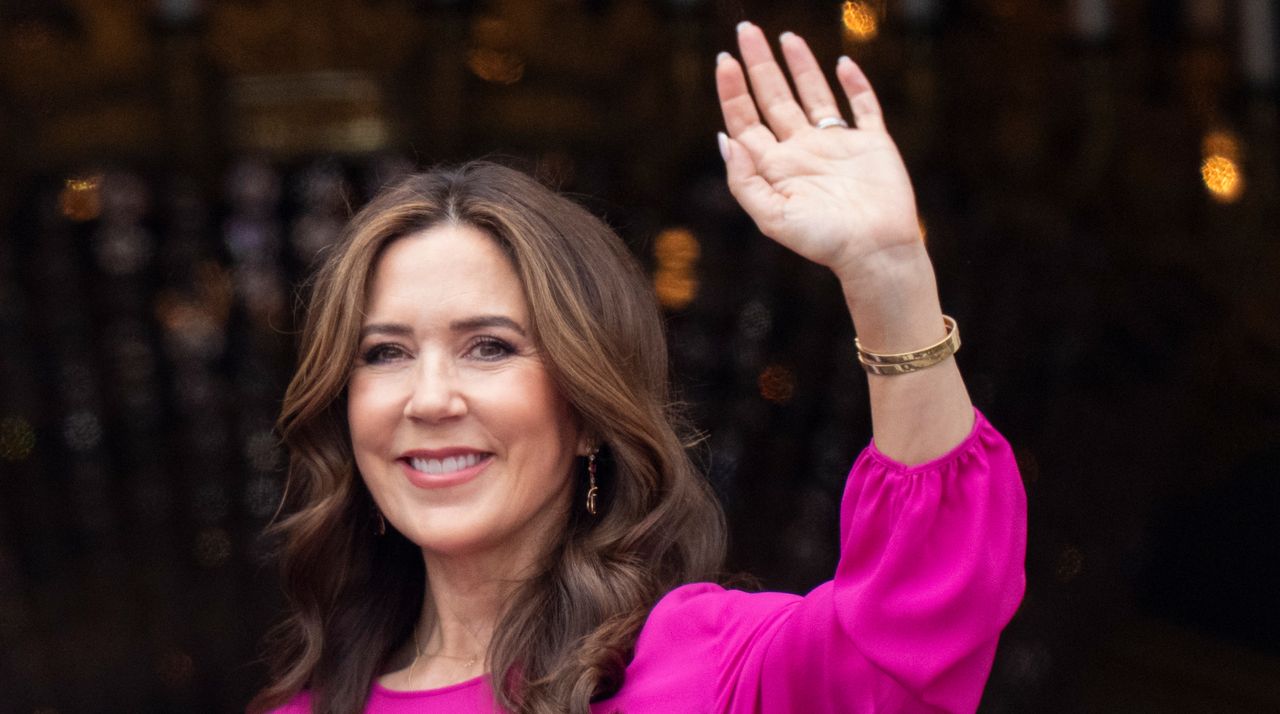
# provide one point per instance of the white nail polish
(786, 35)
(844, 59)
(743, 25)
(723, 141)
(722, 57)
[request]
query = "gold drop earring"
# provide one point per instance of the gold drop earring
(592, 490)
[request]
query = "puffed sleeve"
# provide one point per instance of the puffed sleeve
(931, 570)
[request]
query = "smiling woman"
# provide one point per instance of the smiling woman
(461, 356)
(491, 507)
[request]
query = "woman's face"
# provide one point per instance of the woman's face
(458, 430)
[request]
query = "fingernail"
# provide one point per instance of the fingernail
(844, 59)
(743, 25)
(786, 36)
(723, 141)
(722, 57)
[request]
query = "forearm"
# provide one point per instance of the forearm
(894, 305)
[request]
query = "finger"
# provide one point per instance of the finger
(740, 116)
(769, 84)
(815, 93)
(756, 195)
(862, 99)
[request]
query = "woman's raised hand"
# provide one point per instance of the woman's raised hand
(838, 196)
(841, 198)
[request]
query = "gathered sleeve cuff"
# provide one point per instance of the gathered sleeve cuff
(931, 570)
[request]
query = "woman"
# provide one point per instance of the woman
(492, 509)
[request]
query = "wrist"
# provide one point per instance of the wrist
(894, 302)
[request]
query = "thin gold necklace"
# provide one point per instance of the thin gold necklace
(469, 662)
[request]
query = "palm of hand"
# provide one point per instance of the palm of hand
(835, 196)
(838, 201)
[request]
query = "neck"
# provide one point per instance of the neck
(466, 596)
(462, 605)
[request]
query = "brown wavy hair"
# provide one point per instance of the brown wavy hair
(567, 634)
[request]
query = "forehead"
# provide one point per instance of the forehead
(447, 270)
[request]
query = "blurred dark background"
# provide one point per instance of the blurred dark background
(1098, 185)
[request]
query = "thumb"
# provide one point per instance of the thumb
(752, 191)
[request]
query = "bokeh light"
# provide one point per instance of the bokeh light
(1223, 178)
(122, 249)
(261, 495)
(262, 451)
(675, 289)
(1220, 168)
(496, 66)
(676, 280)
(777, 384)
(82, 430)
(676, 248)
(312, 233)
(17, 438)
(125, 197)
(253, 186)
(755, 320)
(861, 21)
(81, 198)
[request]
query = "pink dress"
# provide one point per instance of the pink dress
(930, 571)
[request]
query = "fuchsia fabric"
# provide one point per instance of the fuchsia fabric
(930, 571)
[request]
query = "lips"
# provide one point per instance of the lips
(442, 468)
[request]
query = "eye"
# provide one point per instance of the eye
(383, 353)
(490, 349)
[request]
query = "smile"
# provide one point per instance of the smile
(446, 465)
(439, 471)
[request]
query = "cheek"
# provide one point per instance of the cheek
(529, 415)
(371, 403)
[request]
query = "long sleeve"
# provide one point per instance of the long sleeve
(931, 570)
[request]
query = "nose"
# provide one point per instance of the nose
(435, 394)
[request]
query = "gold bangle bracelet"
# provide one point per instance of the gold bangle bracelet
(907, 362)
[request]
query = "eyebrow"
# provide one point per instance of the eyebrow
(469, 324)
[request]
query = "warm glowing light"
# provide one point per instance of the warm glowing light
(924, 230)
(17, 439)
(676, 248)
(861, 24)
(496, 66)
(777, 384)
(1223, 179)
(209, 309)
(81, 199)
(676, 278)
(1220, 169)
(675, 288)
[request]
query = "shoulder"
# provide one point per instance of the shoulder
(706, 611)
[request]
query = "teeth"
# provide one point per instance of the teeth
(446, 465)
